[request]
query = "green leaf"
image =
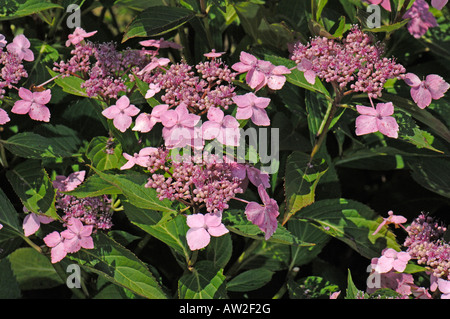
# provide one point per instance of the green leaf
(219, 250)
(351, 222)
(432, 173)
(33, 270)
(8, 214)
(156, 21)
(204, 281)
(9, 287)
(132, 185)
(32, 145)
(18, 9)
(301, 179)
(70, 84)
(94, 186)
(311, 287)
(34, 187)
(250, 280)
(352, 292)
(100, 156)
(388, 28)
(119, 266)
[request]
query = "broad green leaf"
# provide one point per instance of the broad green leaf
(250, 16)
(156, 21)
(388, 28)
(352, 292)
(9, 287)
(32, 145)
(204, 281)
(219, 250)
(171, 231)
(70, 84)
(311, 287)
(296, 77)
(132, 185)
(119, 266)
(33, 186)
(8, 214)
(351, 222)
(301, 179)
(104, 156)
(250, 280)
(33, 270)
(94, 186)
(18, 9)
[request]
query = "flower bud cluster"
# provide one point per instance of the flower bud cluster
(11, 71)
(425, 243)
(355, 60)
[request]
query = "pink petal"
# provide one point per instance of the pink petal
(31, 224)
(310, 76)
(195, 220)
(276, 82)
(257, 177)
(25, 94)
(215, 114)
(123, 102)
(111, 112)
(255, 78)
(366, 110)
(412, 80)
(212, 220)
(4, 117)
(86, 231)
(438, 4)
(244, 113)
(122, 122)
(131, 110)
(197, 238)
(260, 117)
(388, 126)
(144, 123)
(52, 239)
(75, 225)
(72, 245)
(42, 97)
(384, 264)
(218, 231)
(39, 113)
(261, 102)
(210, 130)
(255, 213)
(21, 107)
(365, 124)
(87, 242)
(169, 118)
(436, 85)
(421, 96)
(58, 253)
(385, 109)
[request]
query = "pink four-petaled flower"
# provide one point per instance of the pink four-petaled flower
(21, 47)
(78, 35)
(422, 92)
(178, 125)
(225, 128)
(386, 4)
(32, 222)
(420, 18)
(77, 236)
(145, 122)
(140, 158)
(397, 220)
(121, 113)
(69, 183)
(377, 119)
(202, 227)
(252, 107)
(392, 259)
(33, 103)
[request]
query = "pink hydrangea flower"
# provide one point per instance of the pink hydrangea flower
(252, 107)
(21, 47)
(391, 259)
(377, 119)
(223, 127)
(422, 92)
(438, 4)
(2, 41)
(397, 220)
(178, 125)
(140, 158)
(78, 35)
(144, 122)
(421, 18)
(4, 117)
(121, 113)
(264, 216)
(155, 63)
(55, 241)
(247, 172)
(152, 90)
(213, 54)
(306, 67)
(69, 183)
(77, 236)
(202, 227)
(260, 72)
(32, 223)
(386, 4)
(33, 103)
(442, 285)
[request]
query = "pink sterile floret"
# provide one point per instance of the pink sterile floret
(142, 158)
(223, 127)
(422, 92)
(306, 66)
(33, 103)
(252, 107)
(77, 236)
(78, 35)
(377, 119)
(69, 183)
(442, 285)
(121, 113)
(391, 259)
(56, 243)
(438, 4)
(202, 227)
(178, 125)
(32, 222)
(264, 216)
(145, 122)
(4, 117)
(386, 4)
(420, 18)
(21, 47)
(397, 220)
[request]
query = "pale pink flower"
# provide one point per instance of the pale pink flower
(33, 103)
(224, 128)
(140, 158)
(77, 236)
(78, 35)
(32, 223)
(4, 117)
(2, 41)
(420, 292)
(202, 227)
(155, 63)
(386, 4)
(247, 172)
(264, 216)
(56, 243)
(21, 47)
(422, 92)
(421, 18)
(306, 66)
(335, 295)
(377, 119)
(438, 4)
(121, 113)
(145, 122)
(397, 220)
(391, 259)
(69, 183)
(152, 90)
(213, 54)
(442, 285)
(252, 107)
(178, 125)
